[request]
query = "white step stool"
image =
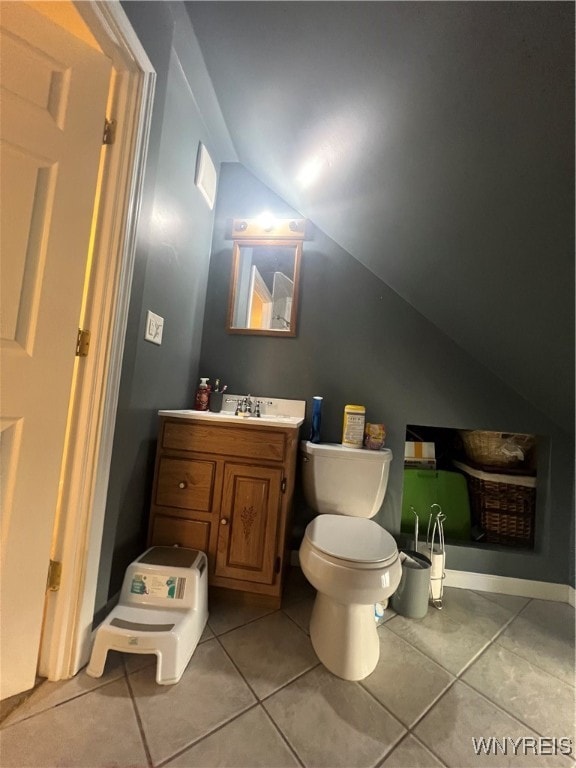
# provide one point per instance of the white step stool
(163, 609)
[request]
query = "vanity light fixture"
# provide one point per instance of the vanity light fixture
(266, 221)
(267, 227)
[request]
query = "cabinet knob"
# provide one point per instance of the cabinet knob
(182, 484)
(224, 521)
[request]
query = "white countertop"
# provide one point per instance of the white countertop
(292, 414)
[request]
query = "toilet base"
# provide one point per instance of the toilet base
(345, 637)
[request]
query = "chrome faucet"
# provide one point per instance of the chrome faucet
(246, 405)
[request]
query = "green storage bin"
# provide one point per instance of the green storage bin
(424, 487)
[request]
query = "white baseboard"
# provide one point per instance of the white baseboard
(506, 585)
(502, 585)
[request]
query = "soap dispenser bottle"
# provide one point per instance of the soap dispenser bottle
(202, 396)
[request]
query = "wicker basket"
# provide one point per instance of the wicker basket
(504, 506)
(497, 449)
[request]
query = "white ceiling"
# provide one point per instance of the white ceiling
(443, 137)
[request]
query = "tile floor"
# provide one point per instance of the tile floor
(254, 694)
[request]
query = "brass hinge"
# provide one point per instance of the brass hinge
(54, 576)
(82, 342)
(283, 485)
(109, 135)
(277, 565)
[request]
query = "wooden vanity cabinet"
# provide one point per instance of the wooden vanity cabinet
(227, 490)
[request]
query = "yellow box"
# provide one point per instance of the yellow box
(416, 450)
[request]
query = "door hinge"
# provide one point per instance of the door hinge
(54, 576)
(277, 565)
(109, 135)
(82, 342)
(283, 485)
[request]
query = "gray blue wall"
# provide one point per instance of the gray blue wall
(170, 276)
(358, 341)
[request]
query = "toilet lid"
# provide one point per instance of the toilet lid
(352, 538)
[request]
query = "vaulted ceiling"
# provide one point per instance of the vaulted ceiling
(434, 141)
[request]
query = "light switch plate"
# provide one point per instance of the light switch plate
(154, 328)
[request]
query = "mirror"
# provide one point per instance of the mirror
(264, 287)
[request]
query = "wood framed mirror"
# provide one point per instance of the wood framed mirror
(264, 284)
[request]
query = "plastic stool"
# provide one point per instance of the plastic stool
(163, 609)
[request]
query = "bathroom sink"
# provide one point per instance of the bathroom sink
(274, 411)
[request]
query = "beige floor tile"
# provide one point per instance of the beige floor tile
(454, 635)
(98, 729)
(270, 652)
(300, 612)
(137, 661)
(49, 694)
(484, 616)
(209, 693)
(462, 715)
(250, 741)
(333, 723)
(410, 753)
(206, 635)
(544, 635)
(228, 610)
(543, 702)
(405, 680)
(451, 644)
(513, 603)
(519, 656)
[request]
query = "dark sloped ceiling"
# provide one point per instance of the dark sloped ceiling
(442, 135)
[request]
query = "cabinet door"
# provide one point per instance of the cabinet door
(248, 531)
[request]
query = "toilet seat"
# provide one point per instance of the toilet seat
(352, 540)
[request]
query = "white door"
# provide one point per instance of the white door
(53, 91)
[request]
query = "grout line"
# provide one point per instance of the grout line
(13, 703)
(501, 708)
(533, 664)
(426, 747)
(400, 741)
(272, 693)
(244, 624)
(237, 668)
(292, 680)
(78, 695)
(283, 737)
(204, 736)
(490, 642)
(306, 631)
(457, 677)
(409, 731)
(393, 746)
(139, 722)
(432, 704)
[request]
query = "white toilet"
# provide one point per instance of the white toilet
(351, 561)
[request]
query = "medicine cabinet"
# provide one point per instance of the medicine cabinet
(265, 277)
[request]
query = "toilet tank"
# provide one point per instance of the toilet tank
(344, 481)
